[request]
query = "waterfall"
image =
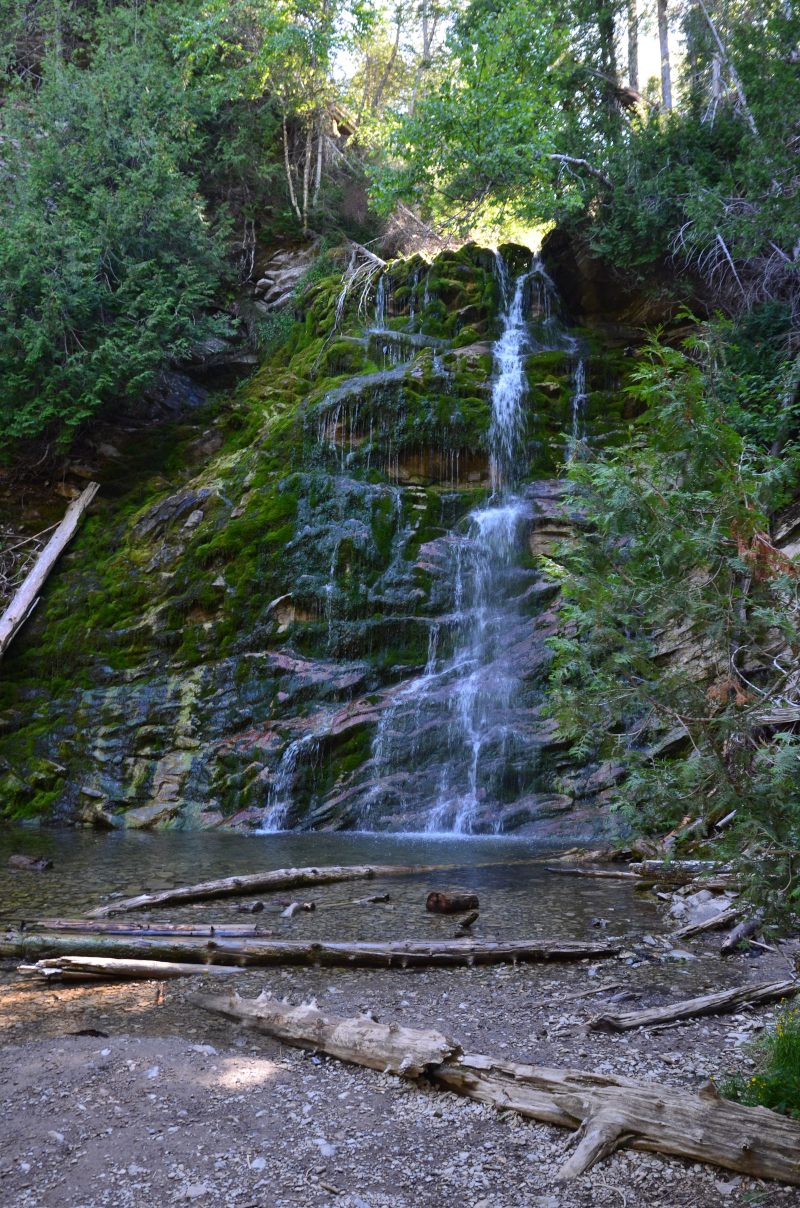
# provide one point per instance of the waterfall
(472, 688)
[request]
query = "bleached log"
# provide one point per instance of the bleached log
(263, 952)
(603, 873)
(368, 254)
(691, 1008)
(604, 1110)
(28, 594)
(609, 1111)
(278, 878)
(723, 919)
(388, 1047)
(106, 966)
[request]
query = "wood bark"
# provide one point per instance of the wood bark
(707, 1004)
(107, 966)
(633, 46)
(604, 1111)
(279, 878)
(723, 919)
(131, 927)
(441, 902)
(663, 40)
(388, 1047)
(262, 952)
(28, 594)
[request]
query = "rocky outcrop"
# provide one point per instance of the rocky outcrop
(246, 638)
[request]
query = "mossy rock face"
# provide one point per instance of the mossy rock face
(261, 581)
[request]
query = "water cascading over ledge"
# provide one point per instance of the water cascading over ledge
(339, 620)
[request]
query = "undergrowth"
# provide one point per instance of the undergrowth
(776, 1082)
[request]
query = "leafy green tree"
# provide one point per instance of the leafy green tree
(681, 625)
(108, 263)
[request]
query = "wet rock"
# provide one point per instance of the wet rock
(30, 863)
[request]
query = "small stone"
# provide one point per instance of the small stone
(195, 1190)
(153, 1073)
(56, 1136)
(258, 1164)
(133, 1169)
(207, 1049)
(193, 519)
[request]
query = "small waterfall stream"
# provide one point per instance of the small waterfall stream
(474, 687)
(461, 736)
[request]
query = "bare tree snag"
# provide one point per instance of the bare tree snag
(387, 1047)
(28, 594)
(261, 952)
(691, 1008)
(363, 251)
(279, 878)
(605, 1111)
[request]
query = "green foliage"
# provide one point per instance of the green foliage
(680, 624)
(107, 262)
(776, 1082)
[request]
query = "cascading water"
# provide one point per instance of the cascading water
(472, 687)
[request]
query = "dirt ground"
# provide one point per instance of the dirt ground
(129, 1096)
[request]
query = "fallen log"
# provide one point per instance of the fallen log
(260, 952)
(597, 872)
(605, 1111)
(441, 902)
(278, 878)
(742, 932)
(387, 1047)
(131, 927)
(691, 1008)
(59, 967)
(27, 595)
(723, 919)
(608, 1112)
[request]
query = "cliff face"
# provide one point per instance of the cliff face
(298, 611)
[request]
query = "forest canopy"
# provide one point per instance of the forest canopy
(146, 146)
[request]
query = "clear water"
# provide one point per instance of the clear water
(518, 897)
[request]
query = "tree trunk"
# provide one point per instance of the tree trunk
(633, 46)
(27, 596)
(307, 170)
(320, 146)
(439, 902)
(107, 966)
(292, 195)
(663, 39)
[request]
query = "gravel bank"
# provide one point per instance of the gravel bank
(172, 1105)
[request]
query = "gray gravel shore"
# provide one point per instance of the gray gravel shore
(172, 1104)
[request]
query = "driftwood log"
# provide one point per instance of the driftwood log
(220, 950)
(443, 902)
(723, 919)
(27, 597)
(278, 878)
(604, 1111)
(388, 1047)
(610, 874)
(95, 967)
(742, 932)
(707, 1004)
